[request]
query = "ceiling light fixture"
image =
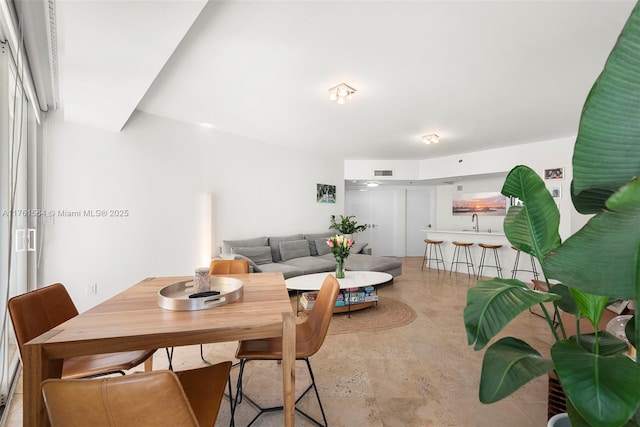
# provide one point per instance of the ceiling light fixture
(341, 93)
(372, 184)
(430, 139)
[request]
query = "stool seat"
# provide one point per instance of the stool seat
(486, 246)
(435, 254)
(483, 258)
(464, 246)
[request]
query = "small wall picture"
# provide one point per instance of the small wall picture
(555, 173)
(556, 192)
(325, 193)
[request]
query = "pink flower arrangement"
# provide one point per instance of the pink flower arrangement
(340, 246)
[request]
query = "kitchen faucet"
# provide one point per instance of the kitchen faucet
(474, 220)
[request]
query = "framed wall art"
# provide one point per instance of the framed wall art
(325, 193)
(487, 204)
(555, 173)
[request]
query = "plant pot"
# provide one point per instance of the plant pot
(559, 420)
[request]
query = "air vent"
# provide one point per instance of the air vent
(380, 172)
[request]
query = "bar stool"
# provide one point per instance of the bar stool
(515, 270)
(483, 258)
(467, 255)
(433, 246)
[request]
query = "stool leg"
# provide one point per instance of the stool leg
(467, 255)
(498, 266)
(424, 258)
(430, 258)
(441, 260)
(481, 265)
(514, 272)
(456, 250)
(534, 270)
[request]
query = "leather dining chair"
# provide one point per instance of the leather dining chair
(310, 335)
(228, 266)
(187, 398)
(39, 311)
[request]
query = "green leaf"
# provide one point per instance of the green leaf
(603, 257)
(606, 151)
(608, 345)
(532, 227)
(591, 306)
(492, 304)
(509, 364)
(566, 303)
(603, 389)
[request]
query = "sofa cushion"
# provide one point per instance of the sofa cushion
(312, 238)
(294, 249)
(255, 242)
(313, 264)
(258, 254)
(321, 246)
(362, 262)
(287, 271)
(274, 242)
(357, 247)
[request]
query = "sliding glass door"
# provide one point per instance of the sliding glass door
(17, 227)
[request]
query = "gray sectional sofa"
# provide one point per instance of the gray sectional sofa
(300, 254)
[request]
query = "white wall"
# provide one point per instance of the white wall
(538, 156)
(162, 172)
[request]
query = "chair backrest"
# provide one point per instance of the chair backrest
(311, 333)
(204, 388)
(36, 312)
(229, 266)
(146, 399)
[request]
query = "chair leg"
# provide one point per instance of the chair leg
(240, 396)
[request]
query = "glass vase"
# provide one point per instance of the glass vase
(339, 269)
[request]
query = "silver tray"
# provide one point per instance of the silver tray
(176, 296)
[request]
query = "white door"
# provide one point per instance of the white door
(420, 216)
(382, 211)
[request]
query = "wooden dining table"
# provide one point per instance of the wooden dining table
(133, 320)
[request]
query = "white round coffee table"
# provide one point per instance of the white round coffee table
(352, 279)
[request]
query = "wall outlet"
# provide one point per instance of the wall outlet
(92, 289)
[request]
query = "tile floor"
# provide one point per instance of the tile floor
(422, 374)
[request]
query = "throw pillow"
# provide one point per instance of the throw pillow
(357, 247)
(312, 238)
(252, 265)
(321, 246)
(294, 249)
(274, 242)
(259, 255)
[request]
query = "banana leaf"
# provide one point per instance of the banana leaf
(606, 151)
(492, 304)
(603, 257)
(509, 364)
(603, 389)
(532, 227)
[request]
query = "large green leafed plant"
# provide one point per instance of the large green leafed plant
(599, 263)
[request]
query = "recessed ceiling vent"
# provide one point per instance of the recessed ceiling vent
(380, 172)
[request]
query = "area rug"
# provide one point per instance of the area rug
(387, 314)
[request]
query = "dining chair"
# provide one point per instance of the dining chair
(228, 266)
(225, 266)
(187, 398)
(310, 335)
(36, 312)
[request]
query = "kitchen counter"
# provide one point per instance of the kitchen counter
(485, 232)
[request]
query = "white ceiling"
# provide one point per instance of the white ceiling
(481, 74)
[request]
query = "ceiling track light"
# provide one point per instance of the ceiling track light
(339, 94)
(430, 139)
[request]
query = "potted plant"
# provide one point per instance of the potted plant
(347, 225)
(598, 264)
